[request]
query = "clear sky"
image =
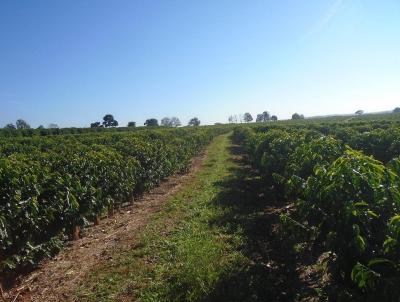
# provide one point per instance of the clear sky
(71, 61)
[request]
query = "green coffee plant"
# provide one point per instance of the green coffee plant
(51, 186)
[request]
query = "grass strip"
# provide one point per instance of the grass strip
(183, 253)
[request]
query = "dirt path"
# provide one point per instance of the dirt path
(57, 279)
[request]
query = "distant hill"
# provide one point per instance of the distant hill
(350, 114)
(365, 116)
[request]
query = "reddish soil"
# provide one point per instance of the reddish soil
(58, 278)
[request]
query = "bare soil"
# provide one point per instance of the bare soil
(58, 278)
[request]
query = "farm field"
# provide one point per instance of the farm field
(53, 186)
(276, 211)
(200, 151)
(340, 183)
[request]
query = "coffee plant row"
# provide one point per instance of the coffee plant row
(341, 184)
(50, 187)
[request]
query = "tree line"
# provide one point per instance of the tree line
(110, 121)
(247, 118)
(22, 124)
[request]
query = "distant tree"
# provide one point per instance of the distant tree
(151, 122)
(235, 118)
(131, 124)
(175, 122)
(263, 117)
(21, 124)
(170, 122)
(266, 116)
(218, 124)
(247, 117)
(359, 112)
(194, 122)
(396, 110)
(109, 121)
(9, 126)
(40, 127)
(95, 125)
(53, 126)
(274, 118)
(232, 119)
(166, 122)
(297, 116)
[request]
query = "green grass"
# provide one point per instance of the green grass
(182, 255)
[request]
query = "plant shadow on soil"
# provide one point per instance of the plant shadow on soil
(271, 273)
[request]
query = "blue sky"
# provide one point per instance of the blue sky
(70, 62)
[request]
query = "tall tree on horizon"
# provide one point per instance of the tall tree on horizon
(296, 116)
(10, 126)
(109, 121)
(151, 122)
(263, 117)
(247, 117)
(175, 122)
(22, 124)
(95, 125)
(166, 122)
(194, 122)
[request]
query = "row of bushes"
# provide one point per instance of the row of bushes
(50, 187)
(380, 139)
(345, 202)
